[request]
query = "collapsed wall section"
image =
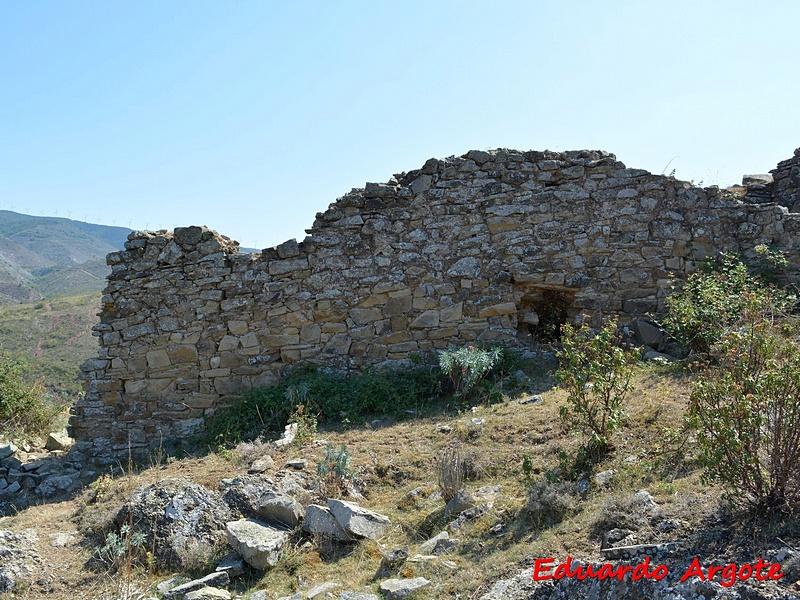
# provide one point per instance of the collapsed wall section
(489, 246)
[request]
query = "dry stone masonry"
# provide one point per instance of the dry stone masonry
(488, 246)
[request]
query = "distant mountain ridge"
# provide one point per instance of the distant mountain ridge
(53, 256)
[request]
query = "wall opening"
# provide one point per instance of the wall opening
(542, 312)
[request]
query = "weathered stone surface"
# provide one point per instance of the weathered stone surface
(176, 515)
(466, 250)
(397, 589)
(321, 589)
(58, 440)
(208, 593)
(20, 561)
(259, 544)
(280, 509)
(260, 465)
(210, 580)
(320, 521)
(357, 521)
(7, 449)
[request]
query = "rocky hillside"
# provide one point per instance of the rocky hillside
(262, 521)
(51, 256)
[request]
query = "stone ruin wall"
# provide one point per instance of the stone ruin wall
(467, 249)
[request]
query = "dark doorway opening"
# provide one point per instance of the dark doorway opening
(542, 313)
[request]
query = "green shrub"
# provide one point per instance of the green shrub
(330, 396)
(712, 300)
(746, 414)
(480, 372)
(596, 373)
(25, 409)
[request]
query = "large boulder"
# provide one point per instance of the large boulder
(320, 521)
(259, 544)
(280, 498)
(179, 519)
(357, 521)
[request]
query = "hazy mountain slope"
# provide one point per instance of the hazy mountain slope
(53, 256)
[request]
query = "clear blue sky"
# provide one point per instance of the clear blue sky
(251, 116)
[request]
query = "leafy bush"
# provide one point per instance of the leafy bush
(712, 300)
(333, 396)
(596, 373)
(746, 415)
(25, 409)
(478, 371)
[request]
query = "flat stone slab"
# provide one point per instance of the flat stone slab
(358, 521)
(320, 521)
(397, 589)
(259, 544)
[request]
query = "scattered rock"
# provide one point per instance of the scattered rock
(279, 508)
(289, 433)
(462, 501)
(19, 560)
(298, 464)
(357, 596)
(321, 589)
(397, 589)
(59, 441)
(259, 544)
(212, 580)
(208, 593)
(357, 521)
(643, 500)
(62, 539)
(604, 477)
(469, 515)
(7, 449)
(263, 464)
(444, 429)
(232, 564)
(320, 521)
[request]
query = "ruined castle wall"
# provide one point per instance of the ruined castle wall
(786, 183)
(468, 249)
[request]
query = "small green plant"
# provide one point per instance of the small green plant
(120, 547)
(527, 467)
(596, 373)
(303, 413)
(450, 472)
(746, 414)
(466, 367)
(334, 471)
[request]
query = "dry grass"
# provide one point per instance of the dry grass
(392, 461)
